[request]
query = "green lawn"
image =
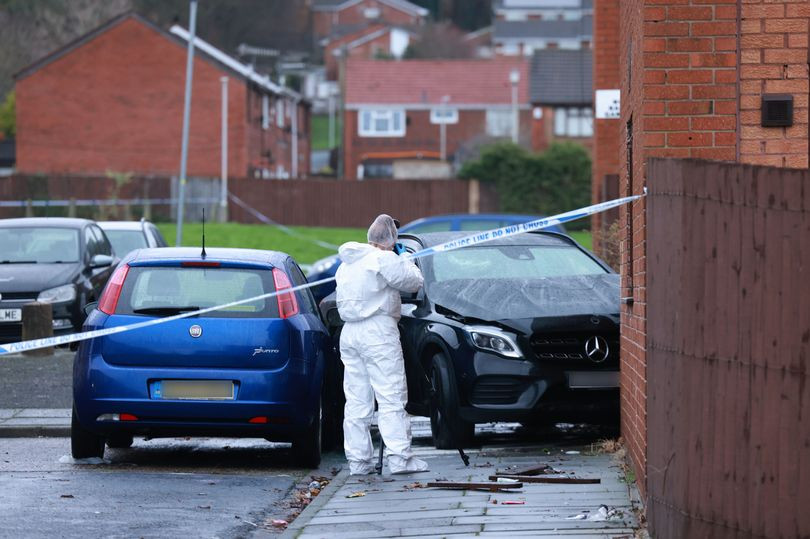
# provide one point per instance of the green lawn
(271, 238)
(265, 237)
(319, 125)
(583, 237)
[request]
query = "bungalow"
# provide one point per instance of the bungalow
(113, 100)
(407, 114)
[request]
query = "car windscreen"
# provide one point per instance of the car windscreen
(41, 245)
(520, 281)
(125, 241)
(164, 291)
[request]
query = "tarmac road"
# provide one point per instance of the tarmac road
(158, 488)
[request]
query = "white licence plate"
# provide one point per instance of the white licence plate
(593, 379)
(10, 315)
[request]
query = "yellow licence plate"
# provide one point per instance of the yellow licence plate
(197, 389)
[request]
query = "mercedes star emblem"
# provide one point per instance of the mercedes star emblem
(596, 348)
(195, 331)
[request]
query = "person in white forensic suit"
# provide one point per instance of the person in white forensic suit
(369, 282)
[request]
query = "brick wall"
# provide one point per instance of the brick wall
(692, 76)
(89, 111)
(420, 135)
(605, 77)
(773, 59)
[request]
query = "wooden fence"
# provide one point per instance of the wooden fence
(728, 350)
(291, 202)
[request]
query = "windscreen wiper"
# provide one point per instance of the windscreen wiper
(169, 310)
(18, 261)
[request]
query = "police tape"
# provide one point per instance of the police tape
(467, 241)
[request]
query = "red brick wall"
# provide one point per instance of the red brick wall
(89, 112)
(692, 76)
(420, 134)
(605, 77)
(543, 133)
(774, 56)
(633, 345)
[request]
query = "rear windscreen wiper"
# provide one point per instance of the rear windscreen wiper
(165, 310)
(18, 261)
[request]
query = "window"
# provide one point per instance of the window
(371, 12)
(265, 112)
(499, 123)
(382, 123)
(444, 116)
(573, 122)
(279, 113)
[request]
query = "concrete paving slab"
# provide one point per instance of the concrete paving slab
(5, 413)
(328, 532)
(44, 413)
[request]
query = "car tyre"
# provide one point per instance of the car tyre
(84, 443)
(119, 441)
(448, 429)
(306, 448)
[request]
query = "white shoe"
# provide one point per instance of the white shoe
(361, 468)
(412, 465)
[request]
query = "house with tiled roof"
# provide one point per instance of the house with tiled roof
(562, 97)
(331, 17)
(113, 100)
(375, 41)
(429, 111)
(524, 26)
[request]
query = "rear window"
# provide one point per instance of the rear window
(179, 288)
(125, 241)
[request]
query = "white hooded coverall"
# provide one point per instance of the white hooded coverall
(369, 281)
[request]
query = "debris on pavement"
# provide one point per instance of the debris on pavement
(572, 452)
(537, 479)
(513, 502)
(66, 496)
(357, 494)
(279, 522)
(601, 514)
(414, 485)
(504, 479)
(492, 487)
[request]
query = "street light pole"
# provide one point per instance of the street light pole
(443, 129)
(186, 112)
(223, 198)
(514, 78)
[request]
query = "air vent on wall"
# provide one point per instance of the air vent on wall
(777, 110)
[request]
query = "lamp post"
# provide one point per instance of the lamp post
(514, 79)
(443, 129)
(223, 197)
(181, 194)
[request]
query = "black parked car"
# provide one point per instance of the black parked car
(65, 262)
(520, 329)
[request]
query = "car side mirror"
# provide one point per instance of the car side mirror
(413, 298)
(90, 307)
(101, 261)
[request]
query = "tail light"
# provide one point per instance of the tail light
(287, 302)
(109, 299)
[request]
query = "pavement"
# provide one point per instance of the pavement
(403, 506)
(34, 422)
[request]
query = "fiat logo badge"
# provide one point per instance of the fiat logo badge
(195, 331)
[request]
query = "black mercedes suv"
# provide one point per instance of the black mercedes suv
(522, 329)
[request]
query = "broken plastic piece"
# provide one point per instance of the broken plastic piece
(279, 522)
(513, 502)
(357, 494)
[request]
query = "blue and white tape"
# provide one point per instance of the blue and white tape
(468, 241)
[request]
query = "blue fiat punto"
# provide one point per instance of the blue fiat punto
(251, 370)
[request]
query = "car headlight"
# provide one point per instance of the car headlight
(58, 295)
(322, 265)
(493, 339)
